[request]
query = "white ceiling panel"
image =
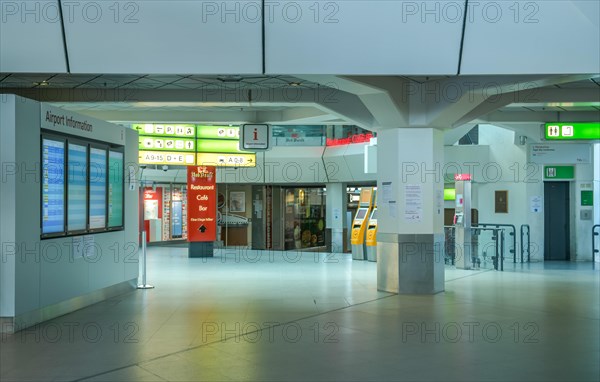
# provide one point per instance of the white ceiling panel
(532, 37)
(363, 37)
(163, 37)
(31, 37)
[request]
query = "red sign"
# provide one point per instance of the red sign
(462, 176)
(202, 203)
(356, 138)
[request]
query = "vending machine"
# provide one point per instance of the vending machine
(359, 224)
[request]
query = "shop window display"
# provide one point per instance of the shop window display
(304, 218)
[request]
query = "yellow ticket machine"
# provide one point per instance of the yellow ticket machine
(359, 224)
(372, 236)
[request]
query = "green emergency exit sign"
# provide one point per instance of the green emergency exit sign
(572, 131)
(559, 172)
(587, 197)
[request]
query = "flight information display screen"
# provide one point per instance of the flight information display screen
(77, 187)
(82, 186)
(115, 188)
(98, 183)
(53, 186)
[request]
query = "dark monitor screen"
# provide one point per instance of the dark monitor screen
(374, 214)
(362, 212)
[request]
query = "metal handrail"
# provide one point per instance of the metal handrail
(498, 238)
(513, 234)
(523, 249)
(594, 250)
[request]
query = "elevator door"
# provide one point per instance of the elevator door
(556, 221)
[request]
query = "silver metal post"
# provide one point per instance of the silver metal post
(143, 285)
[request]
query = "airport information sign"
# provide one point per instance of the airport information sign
(166, 158)
(165, 130)
(167, 144)
(189, 145)
(226, 160)
(218, 132)
(572, 131)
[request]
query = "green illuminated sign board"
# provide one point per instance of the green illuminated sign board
(166, 130)
(218, 132)
(167, 144)
(572, 131)
(217, 146)
(559, 172)
(171, 143)
(449, 194)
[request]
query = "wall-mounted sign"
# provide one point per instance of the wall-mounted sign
(356, 138)
(167, 157)
(255, 137)
(449, 193)
(166, 130)
(218, 132)
(569, 131)
(462, 176)
(167, 144)
(226, 160)
(559, 172)
(202, 203)
(559, 153)
(217, 146)
(587, 197)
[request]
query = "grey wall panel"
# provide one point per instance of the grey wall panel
(7, 206)
(336, 166)
(129, 253)
(355, 159)
(105, 267)
(55, 287)
(294, 165)
(532, 37)
(176, 37)
(31, 38)
(363, 37)
(27, 204)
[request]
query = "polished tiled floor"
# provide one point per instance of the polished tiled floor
(287, 316)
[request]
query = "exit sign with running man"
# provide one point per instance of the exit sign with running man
(255, 137)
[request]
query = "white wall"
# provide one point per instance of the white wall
(524, 180)
(45, 271)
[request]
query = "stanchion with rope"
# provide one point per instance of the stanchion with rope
(144, 285)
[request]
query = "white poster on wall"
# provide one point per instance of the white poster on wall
(386, 191)
(413, 203)
(150, 209)
(392, 208)
(535, 204)
(337, 214)
(132, 179)
(560, 153)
